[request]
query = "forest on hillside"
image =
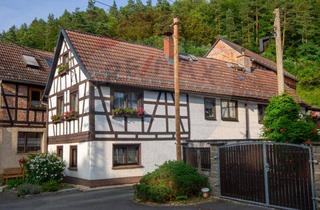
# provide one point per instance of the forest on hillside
(243, 22)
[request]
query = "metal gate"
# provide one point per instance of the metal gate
(274, 174)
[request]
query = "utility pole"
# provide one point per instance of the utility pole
(279, 51)
(176, 85)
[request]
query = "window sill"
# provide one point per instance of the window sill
(210, 119)
(230, 120)
(126, 167)
(28, 153)
(73, 169)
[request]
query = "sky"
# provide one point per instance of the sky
(17, 12)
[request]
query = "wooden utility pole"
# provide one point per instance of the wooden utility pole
(279, 51)
(176, 85)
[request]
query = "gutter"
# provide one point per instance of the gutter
(247, 121)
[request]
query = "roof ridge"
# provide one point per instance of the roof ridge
(30, 49)
(112, 38)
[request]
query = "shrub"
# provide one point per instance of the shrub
(172, 180)
(13, 183)
(50, 186)
(284, 122)
(44, 167)
(26, 189)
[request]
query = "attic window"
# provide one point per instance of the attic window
(30, 61)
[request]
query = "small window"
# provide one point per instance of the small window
(74, 101)
(229, 110)
(60, 152)
(73, 157)
(210, 109)
(35, 98)
(60, 105)
(126, 154)
(261, 111)
(127, 99)
(29, 142)
(65, 60)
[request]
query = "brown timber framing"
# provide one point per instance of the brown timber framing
(21, 104)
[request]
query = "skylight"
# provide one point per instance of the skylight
(30, 61)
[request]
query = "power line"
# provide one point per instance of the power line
(108, 5)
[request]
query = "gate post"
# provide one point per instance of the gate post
(214, 177)
(316, 168)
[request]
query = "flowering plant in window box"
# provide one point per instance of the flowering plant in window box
(56, 118)
(38, 106)
(63, 68)
(128, 112)
(71, 115)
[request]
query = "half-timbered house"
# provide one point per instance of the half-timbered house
(111, 105)
(23, 76)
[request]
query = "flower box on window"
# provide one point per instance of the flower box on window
(38, 106)
(63, 68)
(56, 118)
(128, 112)
(71, 115)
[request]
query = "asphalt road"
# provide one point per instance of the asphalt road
(115, 199)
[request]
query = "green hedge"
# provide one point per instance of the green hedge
(172, 180)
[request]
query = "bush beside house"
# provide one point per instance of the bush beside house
(43, 173)
(172, 181)
(284, 122)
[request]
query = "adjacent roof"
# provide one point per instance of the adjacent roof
(113, 61)
(256, 57)
(14, 68)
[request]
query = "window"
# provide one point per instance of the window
(65, 60)
(60, 105)
(261, 111)
(35, 98)
(229, 110)
(197, 157)
(29, 142)
(73, 157)
(209, 108)
(74, 101)
(127, 99)
(60, 152)
(126, 154)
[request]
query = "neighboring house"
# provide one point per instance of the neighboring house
(23, 76)
(117, 104)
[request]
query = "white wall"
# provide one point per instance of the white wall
(95, 158)
(135, 124)
(202, 129)
(85, 158)
(153, 154)
(61, 83)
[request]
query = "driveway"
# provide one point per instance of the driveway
(112, 198)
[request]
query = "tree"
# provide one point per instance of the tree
(284, 122)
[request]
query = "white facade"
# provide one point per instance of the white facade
(154, 132)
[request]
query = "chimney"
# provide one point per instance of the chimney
(168, 47)
(245, 62)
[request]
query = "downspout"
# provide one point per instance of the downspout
(247, 121)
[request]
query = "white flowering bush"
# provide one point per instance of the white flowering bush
(44, 167)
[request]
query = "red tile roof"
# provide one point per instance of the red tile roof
(13, 67)
(114, 61)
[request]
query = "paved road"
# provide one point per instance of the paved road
(115, 198)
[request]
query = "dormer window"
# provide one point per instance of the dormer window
(30, 61)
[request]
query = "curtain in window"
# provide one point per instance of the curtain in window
(119, 100)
